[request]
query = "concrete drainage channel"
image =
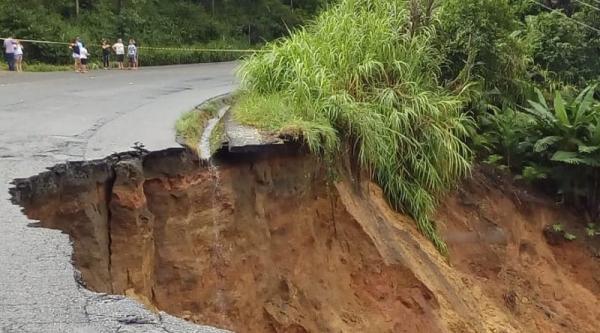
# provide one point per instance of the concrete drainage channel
(205, 150)
(256, 242)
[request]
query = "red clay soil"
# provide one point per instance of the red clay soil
(495, 233)
(276, 248)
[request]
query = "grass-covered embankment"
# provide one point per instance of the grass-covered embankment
(360, 75)
(190, 125)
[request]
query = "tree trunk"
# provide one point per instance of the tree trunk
(77, 8)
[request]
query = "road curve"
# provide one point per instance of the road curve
(48, 118)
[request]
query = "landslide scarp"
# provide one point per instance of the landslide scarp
(273, 248)
(268, 242)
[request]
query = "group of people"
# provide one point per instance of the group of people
(81, 54)
(13, 53)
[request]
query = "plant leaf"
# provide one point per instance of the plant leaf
(543, 144)
(588, 149)
(568, 157)
(542, 113)
(541, 98)
(560, 110)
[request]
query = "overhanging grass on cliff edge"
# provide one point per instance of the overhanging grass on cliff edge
(359, 75)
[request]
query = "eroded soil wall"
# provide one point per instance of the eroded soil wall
(267, 242)
(269, 247)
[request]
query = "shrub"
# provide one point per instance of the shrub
(564, 46)
(480, 39)
(360, 75)
(558, 146)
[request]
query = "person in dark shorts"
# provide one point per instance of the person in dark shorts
(106, 54)
(119, 49)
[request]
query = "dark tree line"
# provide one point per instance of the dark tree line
(153, 22)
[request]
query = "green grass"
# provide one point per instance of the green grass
(190, 125)
(40, 67)
(359, 76)
(273, 114)
(216, 138)
(154, 57)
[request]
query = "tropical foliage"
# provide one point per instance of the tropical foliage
(482, 37)
(397, 81)
(365, 76)
(563, 46)
(556, 144)
(172, 23)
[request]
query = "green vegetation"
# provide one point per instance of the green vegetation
(359, 77)
(556, 145)
(592, 230)
(190, 125)
(216, 138)
(411, 87)
(41, 67)
(481, 41)
(173, 23)
(565, 47)
(559, 229)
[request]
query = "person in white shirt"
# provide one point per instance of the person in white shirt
(19, 56)
(83, 57)
(9, 52)
(132, 55)
(76, 48)
(119, 49)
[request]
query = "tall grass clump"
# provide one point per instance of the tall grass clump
(362, 75)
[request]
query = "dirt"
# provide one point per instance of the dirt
(495, 231)
(271, 242)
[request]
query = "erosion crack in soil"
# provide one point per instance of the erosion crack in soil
(300, 252)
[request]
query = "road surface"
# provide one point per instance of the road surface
(48, 118)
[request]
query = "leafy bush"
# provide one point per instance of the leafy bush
(480, 40)
(156, 57)
(360, 75)
(557, 44)
(592, 230)
(558, 142)
(570, 144)
(564, 45)
(506, 134)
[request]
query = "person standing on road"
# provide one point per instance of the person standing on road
(105, 54)
(19, 56)
(83, 57)
(132, 54)
(76, 48)
(119, 49)
(9, 52)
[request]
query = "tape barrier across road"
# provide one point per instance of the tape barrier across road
(187, 49)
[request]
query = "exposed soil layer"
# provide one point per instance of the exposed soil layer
(265, 243)
(495, 231)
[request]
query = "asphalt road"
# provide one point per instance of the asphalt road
(48, 118)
